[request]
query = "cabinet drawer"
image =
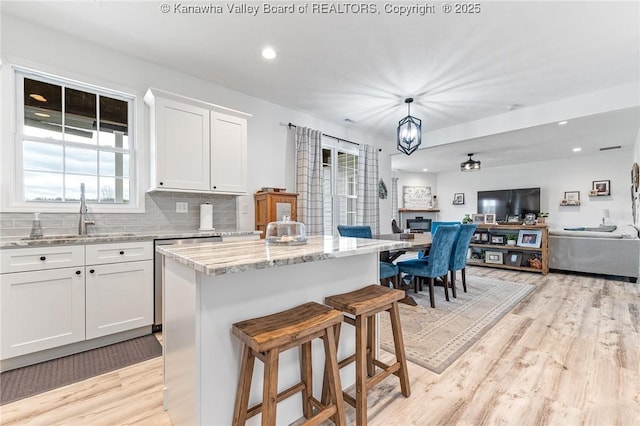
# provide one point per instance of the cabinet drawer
(39, 258)
(119, 252)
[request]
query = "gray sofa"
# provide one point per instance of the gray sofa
(607, 253)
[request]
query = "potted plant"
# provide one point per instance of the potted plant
(511, 239)
(542, 217)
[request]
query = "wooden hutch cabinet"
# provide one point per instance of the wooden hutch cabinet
(272, 206)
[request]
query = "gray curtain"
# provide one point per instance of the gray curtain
(368, 212)
(309, 179)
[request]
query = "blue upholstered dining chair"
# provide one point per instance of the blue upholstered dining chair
(458, 260)
(437, 264)
(388, 271)
(434, 227)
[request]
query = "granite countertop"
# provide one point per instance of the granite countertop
(239, 256)
(57, 240)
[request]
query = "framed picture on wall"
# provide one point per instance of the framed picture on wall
(458, 198)
(602, 187)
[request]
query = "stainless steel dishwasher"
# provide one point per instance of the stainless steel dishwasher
(157, 274)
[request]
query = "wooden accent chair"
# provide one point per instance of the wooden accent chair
(388, 271)
(361, 307)
(265, 337)
(436, 264)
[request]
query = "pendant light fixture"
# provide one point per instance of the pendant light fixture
(409, 131)
(470, 165)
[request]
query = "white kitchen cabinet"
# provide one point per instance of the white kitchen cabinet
(41, 310)
(119, 297)
(196, 146)
(119, 287)
(228, 153)
(51, 296)
(181, 145)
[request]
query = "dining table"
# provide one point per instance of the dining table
(418, 241)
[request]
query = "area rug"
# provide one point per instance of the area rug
(435, 338)
(34, 379)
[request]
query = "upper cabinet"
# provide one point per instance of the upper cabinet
(196, 146)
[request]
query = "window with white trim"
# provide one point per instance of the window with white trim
(340, 186)
(69, 133)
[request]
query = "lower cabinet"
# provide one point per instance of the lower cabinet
(44, 306)
(119, 297)
(41, 310)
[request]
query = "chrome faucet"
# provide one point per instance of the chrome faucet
(82, 225)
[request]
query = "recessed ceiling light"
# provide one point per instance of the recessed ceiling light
(425, 170)
(41, 114)
(269, 53)
(577, 149)
(38, 97)
(562, 123)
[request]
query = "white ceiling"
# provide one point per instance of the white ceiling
(459, 68)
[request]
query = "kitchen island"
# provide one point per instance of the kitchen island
(208, 287)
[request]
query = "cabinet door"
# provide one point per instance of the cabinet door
(228, 154)
(119, 297)
(41, 310)
(182, 146)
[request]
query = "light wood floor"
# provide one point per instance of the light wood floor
(569, 354)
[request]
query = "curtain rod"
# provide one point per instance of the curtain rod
(290, 125)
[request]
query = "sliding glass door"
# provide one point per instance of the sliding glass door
(340, 184)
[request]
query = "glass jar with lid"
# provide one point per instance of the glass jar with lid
(286, 232)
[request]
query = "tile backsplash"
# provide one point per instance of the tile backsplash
(160, 215)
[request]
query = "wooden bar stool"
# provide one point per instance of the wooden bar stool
(363, 305)
(265, 337)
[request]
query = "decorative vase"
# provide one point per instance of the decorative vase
(541, 220)
(511, 242)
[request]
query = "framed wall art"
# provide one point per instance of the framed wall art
(572, 198)
(601, 187)
(417, 197)
(458, 198)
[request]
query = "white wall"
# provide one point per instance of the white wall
(271, 152)
(553, 178)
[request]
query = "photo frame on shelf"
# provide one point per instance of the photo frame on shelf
(490, 219)
(497, 239)
(476, 237)
(514, 219)
(484, 237)
(530, 238)
(571, 198)
(601, 187)
(458, 198)
(514, 258)
(477, 218)
(495, 257)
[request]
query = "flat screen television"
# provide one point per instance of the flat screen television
(509, 202)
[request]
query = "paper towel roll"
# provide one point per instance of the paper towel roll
(206, 217)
